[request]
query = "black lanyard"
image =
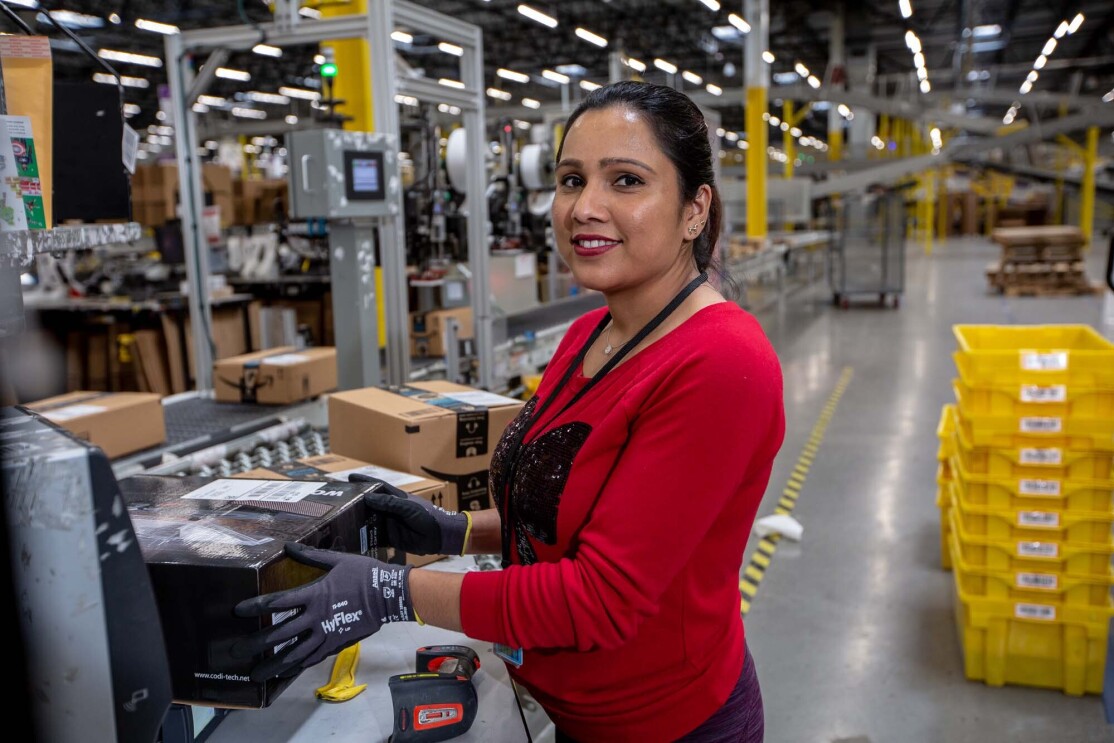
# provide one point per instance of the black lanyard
(514, 449)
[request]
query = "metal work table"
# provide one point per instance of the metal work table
(298, 716)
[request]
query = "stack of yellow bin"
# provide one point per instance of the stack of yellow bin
(1027, 503)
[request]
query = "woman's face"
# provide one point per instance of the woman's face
(617, 213)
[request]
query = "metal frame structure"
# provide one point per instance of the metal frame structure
(376, 26)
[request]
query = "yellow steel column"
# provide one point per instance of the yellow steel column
(835, 144)
(1087, 195)
(787, 141)
(757, 140)
(353, 59)
(757, 79)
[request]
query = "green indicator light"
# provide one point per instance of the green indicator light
(329, 69)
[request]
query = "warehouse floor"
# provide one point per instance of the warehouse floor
(852, 629)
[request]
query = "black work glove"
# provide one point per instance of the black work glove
(415, 525)
(350, 602)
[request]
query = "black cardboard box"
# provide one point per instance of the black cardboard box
(211, 543)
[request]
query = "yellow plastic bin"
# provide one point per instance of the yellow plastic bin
(1039, 494)
(1022, 400)
(1074, 355)
(1046, 643)
(945, 431)
(1004, 555)
(1012, 431)
(1030, 458)
(944, 503)
(1033, 525)
(1020, 585)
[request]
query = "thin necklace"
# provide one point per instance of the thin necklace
(608, 348)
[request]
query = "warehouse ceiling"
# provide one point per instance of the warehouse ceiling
(967, 45)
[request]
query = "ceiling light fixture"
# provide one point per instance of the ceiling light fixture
(248, 113)
(453, 49)
(712, 5)
(402, 37)
(768, 57)
(267, 50)
(230, 74)
(501, 95)
(538, 16)
(451, 83)
(665, 66)
(591, 38)
(634, 64)
(139, 59)
(556, 77)
(531, 103)
(127, 82)
(303, 93)
(692, 77)
(513, 76)
(739, 22)
(906, 8)
(713, 89)
(589, 85)
(166, 29)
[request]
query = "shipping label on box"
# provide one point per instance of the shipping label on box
(209, 544)
(338, 468)
(443, 430)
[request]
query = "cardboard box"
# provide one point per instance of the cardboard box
(443, 430)
(118, 422)
(211, 543)
(336, 467)
(427, 330)
(276, 376)
(155, 192)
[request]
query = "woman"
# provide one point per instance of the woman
(627, 487)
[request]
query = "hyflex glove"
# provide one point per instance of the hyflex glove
(416, 525)
(356, 597)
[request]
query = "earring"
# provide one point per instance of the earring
(693, 229)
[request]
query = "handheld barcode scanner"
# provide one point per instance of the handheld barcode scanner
(438, 702)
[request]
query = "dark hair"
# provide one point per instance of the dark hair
(682, 134)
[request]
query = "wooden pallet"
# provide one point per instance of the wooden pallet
(1044, 278)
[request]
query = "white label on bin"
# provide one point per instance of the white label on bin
(1047, 581)
(264, 490)
(1048, 488)
(73, 411)
(1041, 425)
(1035, 611)
(391, 477)
(1038, 549)
(1042, 456)
(1035, 361)
(1038, 518)
(1044, 392)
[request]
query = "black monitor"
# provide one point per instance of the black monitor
(96, 664)
(364, 176)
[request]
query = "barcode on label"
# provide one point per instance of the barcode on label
(1038, 580)
(1039, 487)
(1042, 425)
(1042, 456)
(1038, 518)
(1038, 549)
(1034, 361)
(1034, 611)
(1044, 393)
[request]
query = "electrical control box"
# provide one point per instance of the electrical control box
(338, 174)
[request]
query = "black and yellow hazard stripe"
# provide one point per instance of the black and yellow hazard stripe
(767, 546)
